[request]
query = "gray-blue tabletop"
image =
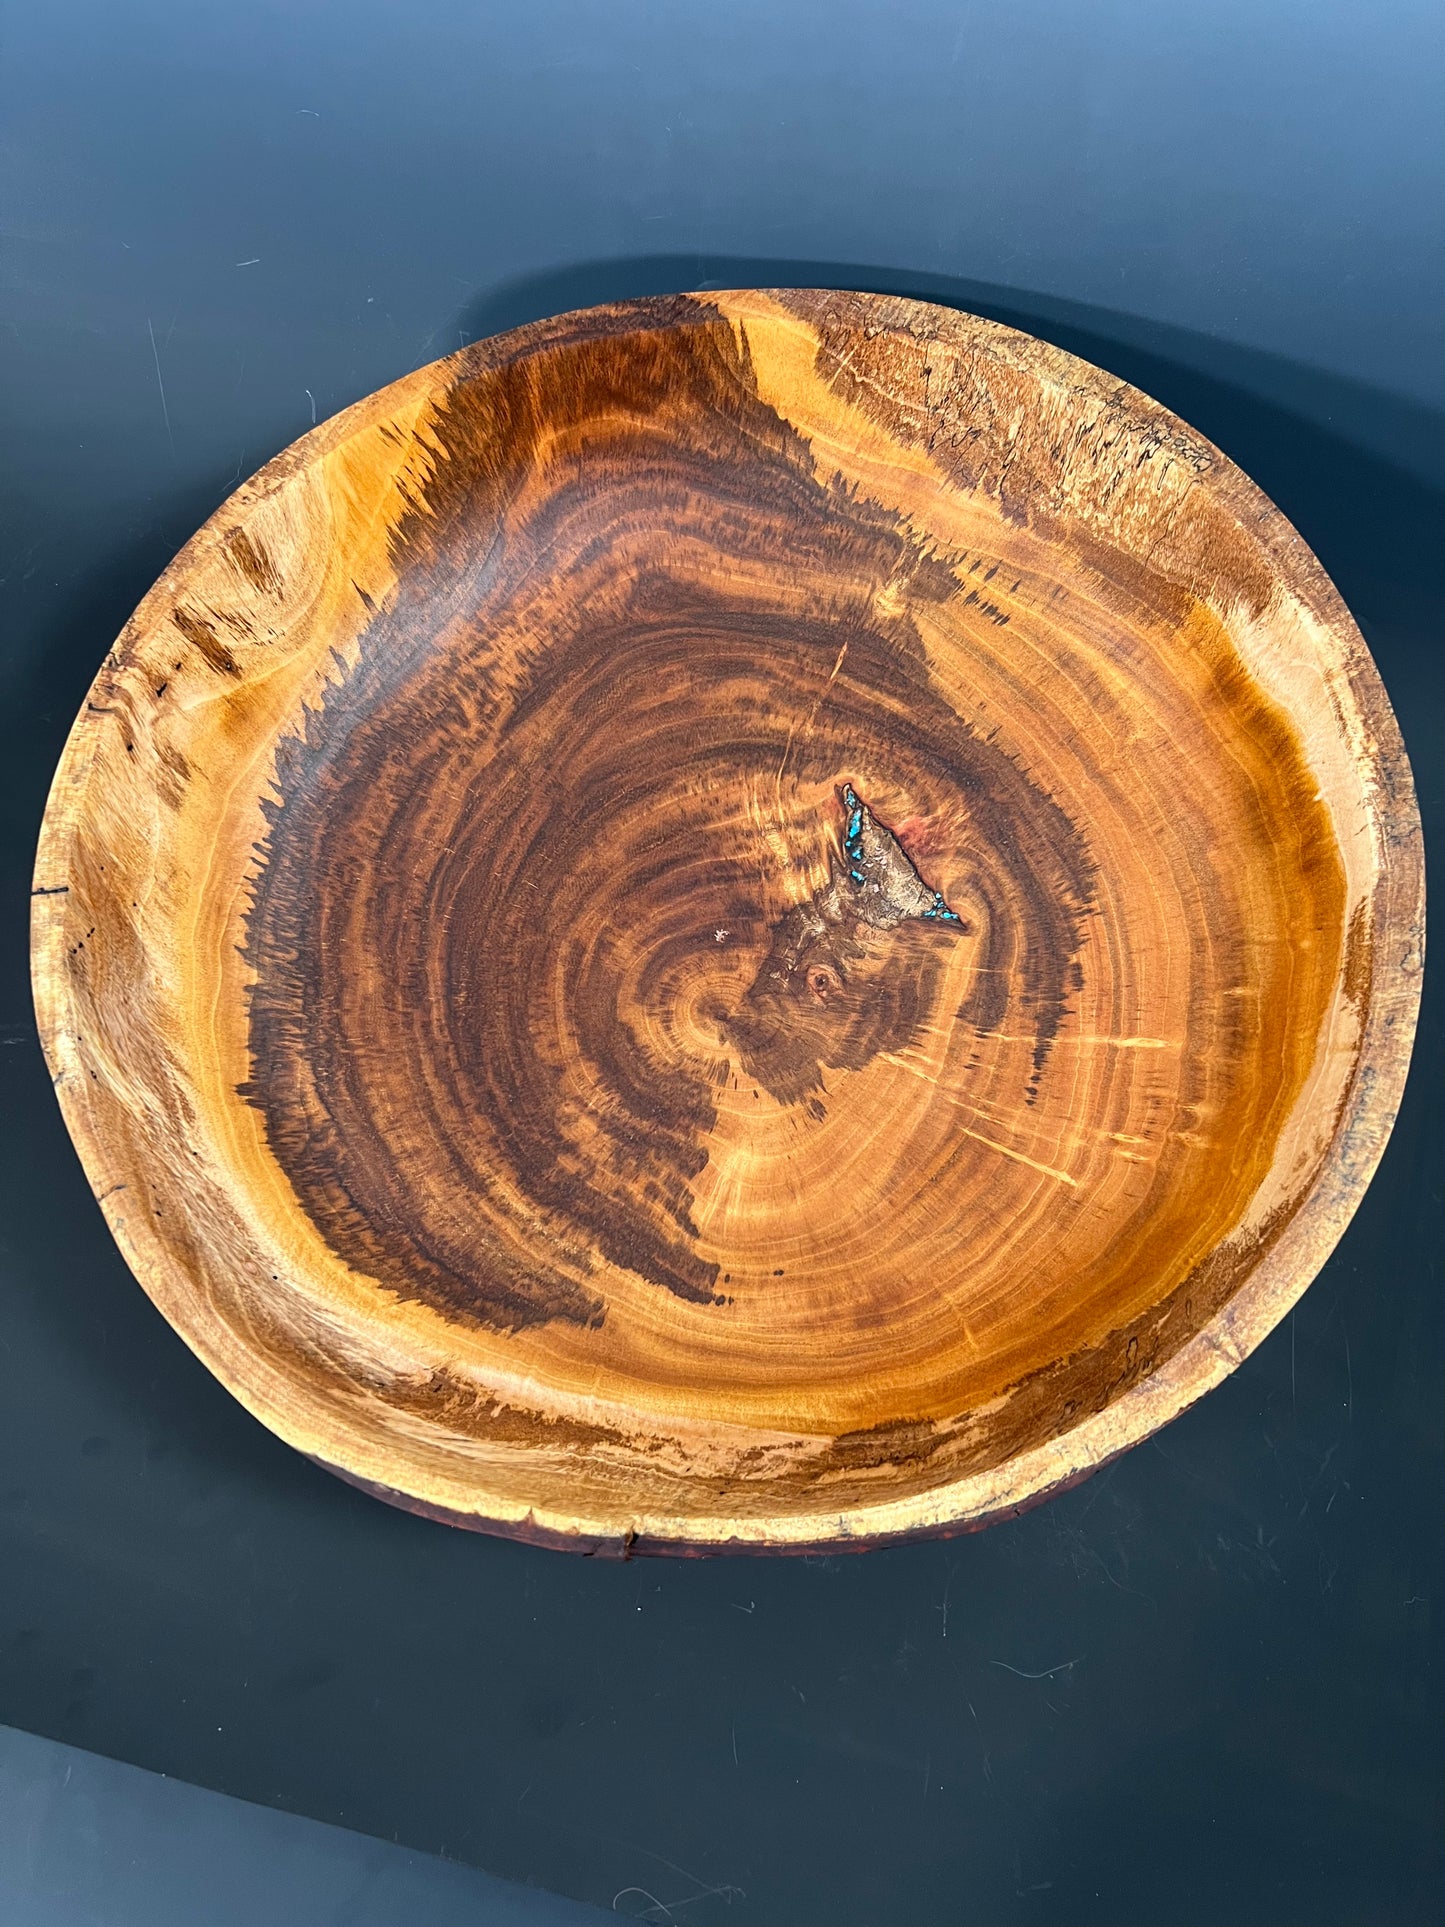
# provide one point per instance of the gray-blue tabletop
(1197, 1689)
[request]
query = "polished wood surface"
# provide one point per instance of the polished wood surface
(764, 918)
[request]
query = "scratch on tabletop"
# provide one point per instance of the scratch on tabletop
(1064, 1666)
(165, 411)
(982, 1744)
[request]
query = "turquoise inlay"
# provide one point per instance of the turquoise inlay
(853, 834)
(940, 911)
(937, 912)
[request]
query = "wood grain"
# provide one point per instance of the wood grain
(763, 919)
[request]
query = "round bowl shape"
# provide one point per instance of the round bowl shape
(760, 919)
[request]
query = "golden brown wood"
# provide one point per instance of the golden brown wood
(756, 919)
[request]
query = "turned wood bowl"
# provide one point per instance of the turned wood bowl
(765, 919)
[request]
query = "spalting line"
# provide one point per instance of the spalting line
(962, 1104)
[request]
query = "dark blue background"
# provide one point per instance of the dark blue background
(1198, 1689)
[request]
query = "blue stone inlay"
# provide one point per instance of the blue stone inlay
(937, 912)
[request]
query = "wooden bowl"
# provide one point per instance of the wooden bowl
(745, 920)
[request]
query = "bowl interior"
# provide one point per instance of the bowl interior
(759, 912)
